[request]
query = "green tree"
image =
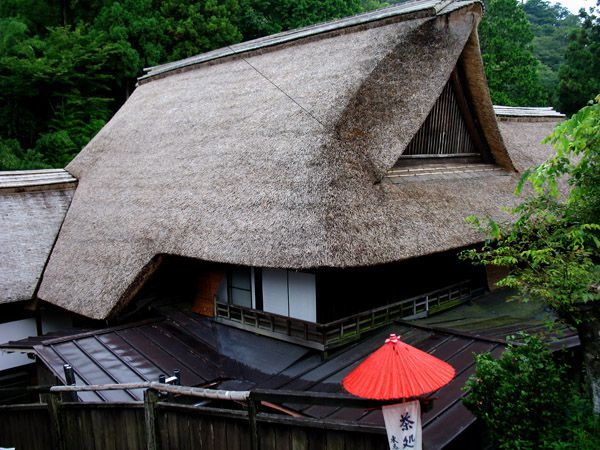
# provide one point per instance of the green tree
(507, 52)
(54, 92)
(263, 17)
(551, 26)
(528, 401)
(580, 74)
(553, 247)
(193, 27)
(138, 30)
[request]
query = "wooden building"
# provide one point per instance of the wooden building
(308, 187)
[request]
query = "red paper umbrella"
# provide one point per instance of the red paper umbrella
(398, 370)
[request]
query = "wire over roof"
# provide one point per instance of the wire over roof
(277, 156)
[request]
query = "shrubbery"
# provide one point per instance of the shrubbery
(528, 401)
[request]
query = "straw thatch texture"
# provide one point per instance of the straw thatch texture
(275, 159)
(523, 138)
(33, 205)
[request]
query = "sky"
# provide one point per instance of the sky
(574, 5)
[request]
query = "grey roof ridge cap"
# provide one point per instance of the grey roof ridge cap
(284, 37)
(31, 172)
(36, 184)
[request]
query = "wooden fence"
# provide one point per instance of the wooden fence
(163, 423)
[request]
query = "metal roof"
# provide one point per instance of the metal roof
(207, 352)
(216, 355)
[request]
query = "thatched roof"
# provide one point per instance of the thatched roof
(33, 204)
(275, 154)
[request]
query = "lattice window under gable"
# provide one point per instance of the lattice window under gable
(448, 132)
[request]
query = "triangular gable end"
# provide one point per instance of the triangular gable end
(450, 133)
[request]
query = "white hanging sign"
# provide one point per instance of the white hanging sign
(403, 425)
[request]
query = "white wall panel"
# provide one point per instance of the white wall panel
(275, 291)
(302, 294)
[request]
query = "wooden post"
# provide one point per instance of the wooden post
(151, 425)
(70, 379)
(252, 425)
(54, 405)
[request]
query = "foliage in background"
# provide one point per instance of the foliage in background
(55, 93)
(528, 401)
(580, 75)
(507, 50)
(264, 17)
(551, 25)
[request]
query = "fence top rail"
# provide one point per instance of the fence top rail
(215, 394)
(275, 396)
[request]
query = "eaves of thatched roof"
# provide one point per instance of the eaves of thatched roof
(33, 204)
(274, 153)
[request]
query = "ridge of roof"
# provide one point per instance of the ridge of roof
(527, 111)
(24, 179)
(406, 11)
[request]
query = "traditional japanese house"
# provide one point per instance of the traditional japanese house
(312, 174)
(307, 187)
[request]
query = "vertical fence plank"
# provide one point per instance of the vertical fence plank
(150, 400)
(54, 407)
(252, 425)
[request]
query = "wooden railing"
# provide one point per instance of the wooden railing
(326, 336)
